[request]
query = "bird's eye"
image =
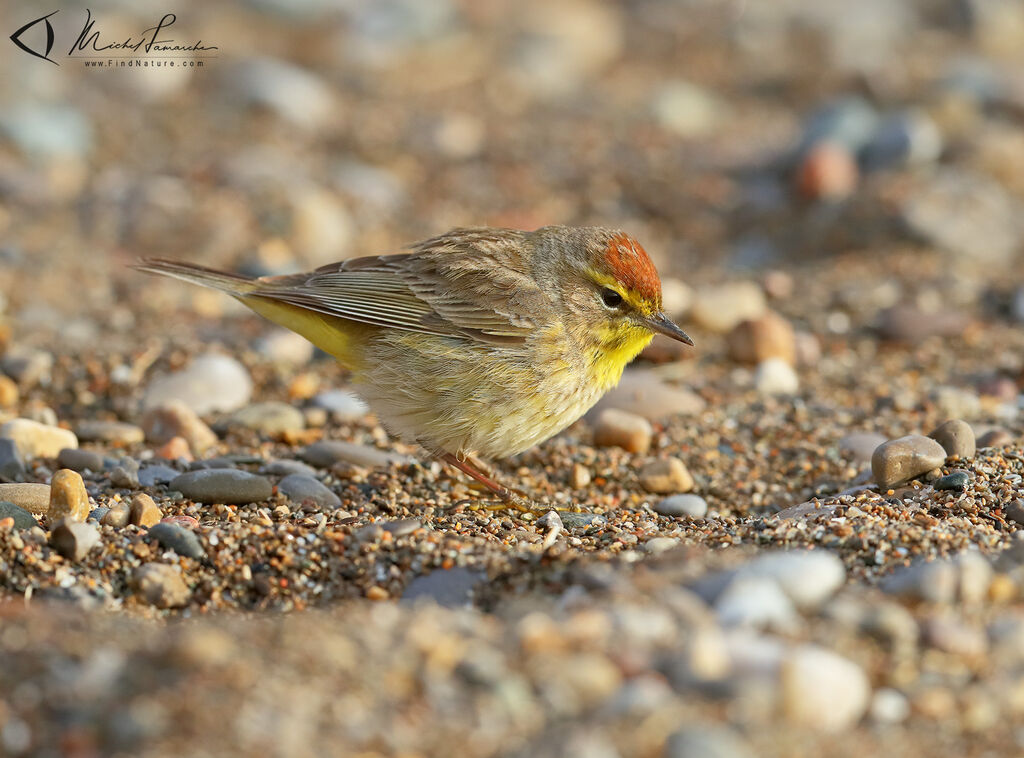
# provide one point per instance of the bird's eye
(611, 298)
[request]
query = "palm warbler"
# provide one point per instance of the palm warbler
(477, 342)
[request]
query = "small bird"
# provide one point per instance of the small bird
(478, 342)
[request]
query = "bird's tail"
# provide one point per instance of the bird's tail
(225, 281)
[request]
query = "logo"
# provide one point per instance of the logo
(16, 38)
(152, 47)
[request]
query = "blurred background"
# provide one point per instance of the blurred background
(875, 148)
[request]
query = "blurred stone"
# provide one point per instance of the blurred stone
(706, 742)
(693, 506)
(174, 418)
(629, 431)
(450, 589)
(80, 460)
(342, 405)
(907, 138)
(12, 468)
(295, 94)
(35, 440)
(849, 121)
(32, 497)
(114, 432)
(580, 476)
(756, 602)
(177, 538)
(677, 298)
(8, 392)
(302, 489)
(285, 347)
(808, 577)
(827, 172)
(327, 453)
(686, 110)
(719, 309)
(665, 476)
(774, 376)
(966, 214)
(929, 581)
(770, 336)
(858, 447)
(270, 418)
(908, 323)
(642, 392)
(161, 585)
(74, 539)
(118, 516)
(47, 130)
(175, 449)
(995, 438)
(889, 706)
(823, 691)
(154, 474)
(956, 437)
(144, 511)
(900, 460)
(68, 498)
(22, 518)
(27, 367)
(212, 382)
(957, 402)
(955, 635)
(322, 229)
(126, 474)
(228, 486)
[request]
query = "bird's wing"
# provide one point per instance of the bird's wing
(439, 288)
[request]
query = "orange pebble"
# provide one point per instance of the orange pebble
(827, 172)
(174, 448)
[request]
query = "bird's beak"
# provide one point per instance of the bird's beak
(662, 324)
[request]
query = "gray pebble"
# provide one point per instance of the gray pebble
(118, 516)
(693, 506)
(157, 474)
(572, 520)
(229, 486)
(858, 447)
(270, 418)
(300, 488)
(958, 480)
(903, 459)
(212, 382)
(956, 437)
(177, 538)
(80, 460)
(12, 469)
(285, 467)
(125, 475)
(327, 453)
(401, 527)
(706, 742)
(22, 518)
(343, 406)
(74, 539)
(161, 585)
(117, 432)
(451, 589)
(930, 581)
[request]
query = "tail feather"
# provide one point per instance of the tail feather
(225, 281)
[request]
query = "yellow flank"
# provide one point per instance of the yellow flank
(339, 337)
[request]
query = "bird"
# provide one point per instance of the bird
(479, 342)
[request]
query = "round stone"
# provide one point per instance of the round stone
(823, 691)
(305, 489)
(271, 418)
(173, 418)
(210, 383)
(956, 437)
(222, 485)
(623, 429)
(161, 585)
(177, 538)
(115, 432)
(80, 460)
(693, 506)
(36, 440)
(775, 376)
(144, 511)
(68, 498)
(666, 476)
(958, 481)
(900, 460)
(756, 340)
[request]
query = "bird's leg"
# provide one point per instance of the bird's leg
(509, 498)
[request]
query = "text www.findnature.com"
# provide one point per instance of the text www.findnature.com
(143, 64)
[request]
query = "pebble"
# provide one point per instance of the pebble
(300, 488)
(327, 453)
(808, 577)
(827, 172)
(900, 460)
(889, 706)
(620, 428)
(125, 475)
(80, 460)
(212, 382)
(36, 440)
(659, 545)
(149, 476)
(450, 589)
(580, 476)
(582, 520)
(161, 585)
(285, 346)
(719, 309)
(270, 418)
(174, 418)
(30, 496)
(402, 527)
(953, 634)
(956, 437)
(974, 574)
(995, 438)
(74, 539)
(644, 393)
(295, 94)
(177, 538)
(228, 486)
(341, 404)
(756, 340)
(118, 516)
(910, 324)
(28, 367)
(849, 121)
(823, 691)
(906, 138)
(858, 447)
(666, 476)
(686, 109)
(114, 432)
(68, 498)
(700, 741)
(8, 392)
(286, 467)
(175, 449)
(144, 511)
(22, 518)
(756, 602)
(1015, 511)
(693, 506)
(776, 377)
(957, 480)
(12, 468)
(929, 581)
